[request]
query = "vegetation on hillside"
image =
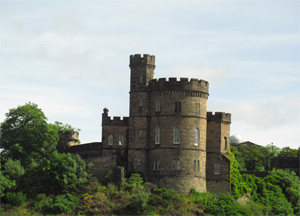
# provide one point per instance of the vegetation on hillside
(36, 179)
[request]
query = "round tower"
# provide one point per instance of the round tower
(177, 149)
(142, 70)
(66, 140)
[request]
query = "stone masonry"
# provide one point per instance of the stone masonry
(169, 137)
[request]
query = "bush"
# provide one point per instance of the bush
(138, 203)
(15, 199)
(61, 204)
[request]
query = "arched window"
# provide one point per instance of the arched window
(176, 135)
(157, 135)
(110, 139)
(196, 137)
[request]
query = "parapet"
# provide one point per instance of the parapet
(116, 121)
(183, 84)
(219, 117)
(68, 135)
(146, 59)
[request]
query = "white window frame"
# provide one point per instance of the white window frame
(176, 135)
(157, 135)
(217, 169)
(110, 140)
(196, 137)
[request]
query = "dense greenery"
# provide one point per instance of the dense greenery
(36, 179)
(30, 164)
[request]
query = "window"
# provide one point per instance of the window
(141, 79)
(156, 165)
(141, 103)
(217, 169)
(196, 166)
(110, 139)
(120, 140)
(178, 106)
(139, 161)
(140, 134)
(197, 108)
(157, 106)
(176, 165)
(225, 143)
(157, 135)
(196, 137)
(176, 135)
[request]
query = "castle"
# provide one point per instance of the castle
(169, 137)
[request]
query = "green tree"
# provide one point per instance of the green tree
(288, 152)
(25, 135)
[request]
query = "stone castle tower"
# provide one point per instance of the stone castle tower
(169, 136)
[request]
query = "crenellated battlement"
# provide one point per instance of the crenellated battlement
(68, 135)
(182, 84)
(116, 121)
(138, 59)
(219, 117)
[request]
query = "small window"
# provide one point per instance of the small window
(196, 137)
(120, 140)
(157, 106)
(139, 161)
(217, 169)
(194, 166)
(177, 106)
(141, 103)
(110, 140)
(198, 166)
(140, 134)
(176, 165)
(157, 135)
(225, 143)
(156, 165)
(141, 79)
(176, 135)
(197, 108)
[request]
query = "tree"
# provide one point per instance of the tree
(25, 134)
(288, 152)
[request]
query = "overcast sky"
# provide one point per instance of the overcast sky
(71, 58)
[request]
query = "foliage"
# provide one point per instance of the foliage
(238, 186)
(13, 169)
(6, 184)
(25, 134)
(219, 204)
(290, 185)
(288, 152)
(15, 198)
(60, 204)
(138, 203)
(134, 183)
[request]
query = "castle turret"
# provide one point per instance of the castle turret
(142, 70)
(217, 147)
(66, 140)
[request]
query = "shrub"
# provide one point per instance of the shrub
(15, 199)
(138, 203)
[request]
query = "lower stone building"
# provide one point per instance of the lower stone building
(169, 137)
